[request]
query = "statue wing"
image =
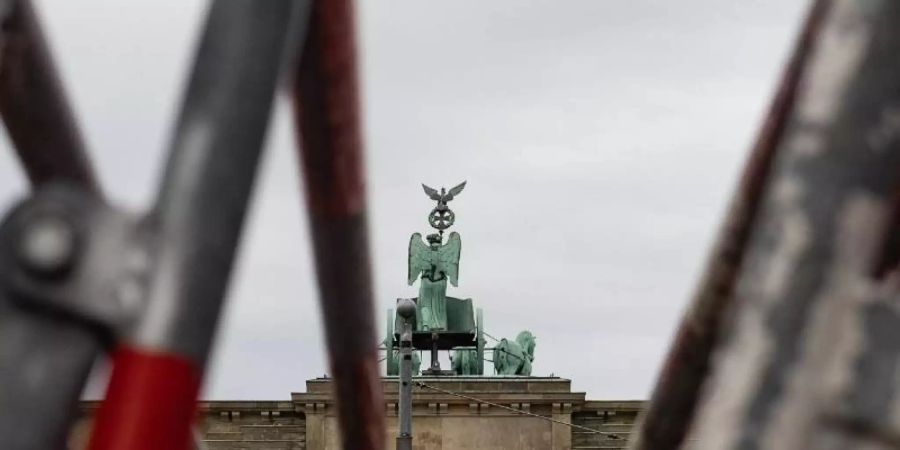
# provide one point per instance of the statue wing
(431, 192)
(418, 257)
(449, 258)
(455, 191)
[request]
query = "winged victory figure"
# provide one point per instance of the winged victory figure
(435, 263)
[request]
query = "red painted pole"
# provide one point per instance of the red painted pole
(665, 423)
(326, 101)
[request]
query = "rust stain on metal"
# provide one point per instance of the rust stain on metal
(887, 265)
(326, 102)
(34, 106)
(347, 306)
(674, 400)
(360, 407)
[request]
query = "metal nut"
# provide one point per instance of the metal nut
(46, 245)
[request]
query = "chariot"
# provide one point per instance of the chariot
(464, 333)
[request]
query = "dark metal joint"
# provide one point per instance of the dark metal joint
(64, 252)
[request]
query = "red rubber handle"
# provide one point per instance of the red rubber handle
(150, 402)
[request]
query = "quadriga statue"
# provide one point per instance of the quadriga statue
(515, 357)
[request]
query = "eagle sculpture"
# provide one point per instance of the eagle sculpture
(443, 196)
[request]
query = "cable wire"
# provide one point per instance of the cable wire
(488, 335)
(519, 411)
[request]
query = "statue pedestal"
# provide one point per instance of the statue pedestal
(442, 421)
(438, 373)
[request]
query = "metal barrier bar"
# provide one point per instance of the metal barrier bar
(327, 119)
(196, 223)
(44, 363)
(34, 107)
(673, 402)
(44, 358)
(810, 354)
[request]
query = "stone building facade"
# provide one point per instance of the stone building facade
(446, 416)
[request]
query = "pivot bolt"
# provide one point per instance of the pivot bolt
(47, 245)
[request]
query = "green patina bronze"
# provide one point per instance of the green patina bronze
(441, 217)
(465, 362)
(393, 363)
(446, 323)
(434, 264)
(515, 357)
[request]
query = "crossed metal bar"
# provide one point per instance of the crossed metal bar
(157, 310)
(785, 344)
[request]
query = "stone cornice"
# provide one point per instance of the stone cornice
(500, 390)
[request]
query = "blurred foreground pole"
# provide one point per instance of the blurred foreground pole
(407, 310)
(196, 223)
(37, 403)
(34, 106)
(811, 351)
(666, 421)
(326, 102)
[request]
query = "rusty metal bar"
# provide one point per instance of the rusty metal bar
(326, 102)
(811, 359)
(673, 403)
(34, 107)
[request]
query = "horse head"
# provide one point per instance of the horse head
(527, 342)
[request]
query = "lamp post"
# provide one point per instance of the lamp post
(406, 309)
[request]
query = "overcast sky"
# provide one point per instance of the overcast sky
(600, 139)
